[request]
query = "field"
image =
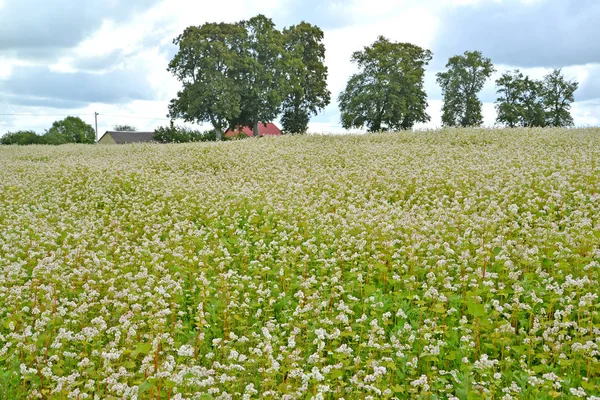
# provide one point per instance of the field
(457, 264)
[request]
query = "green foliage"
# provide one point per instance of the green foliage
(306, 75)
(464, 79)
(210, 66)
(263, 84)
(21, 138)
(125, 128)
(528, 103)
(558, 94)
(244, 73)
(387, 93)
(70, 130)
(181, 134)
(520, 102)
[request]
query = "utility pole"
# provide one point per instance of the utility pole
(96, 118)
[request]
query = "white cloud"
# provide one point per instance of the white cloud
(5, 68)
(141, 45)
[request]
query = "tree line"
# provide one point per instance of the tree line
(249, 72)
(68, 130)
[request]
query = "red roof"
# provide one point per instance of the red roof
(263, 130)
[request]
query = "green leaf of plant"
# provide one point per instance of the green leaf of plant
(144, 387)
(143, 348)
(476, 309)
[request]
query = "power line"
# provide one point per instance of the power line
(134, 117)
(84, 115)
(45, 115)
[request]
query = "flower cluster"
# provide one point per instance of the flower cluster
(456, 264)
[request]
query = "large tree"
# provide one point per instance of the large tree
(209, 65)
(465, 77)
(520, 101)
(262, 82)
(558, 93)
(388, 91)
(70, 130)
(306, 74)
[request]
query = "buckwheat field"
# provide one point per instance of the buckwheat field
(457, 264)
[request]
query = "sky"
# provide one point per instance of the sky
(77, 57)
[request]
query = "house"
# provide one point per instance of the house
(269, 129)
(113, 137)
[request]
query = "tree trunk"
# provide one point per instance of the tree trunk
(218, 127)
(255, 128)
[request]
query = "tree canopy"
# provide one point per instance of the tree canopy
(520, 101)
(558, 94)
(388, 91)
(262, 78)
(209, 64)
(527, 102)
(465, 77)
(70, 130)
(248, 72)
(306, 75)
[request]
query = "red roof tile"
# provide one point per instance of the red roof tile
(263, 130)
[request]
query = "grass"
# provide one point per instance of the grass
(438, 265)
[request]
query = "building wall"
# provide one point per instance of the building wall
(107, 139)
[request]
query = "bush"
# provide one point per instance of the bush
(180, 134)
(21, 138)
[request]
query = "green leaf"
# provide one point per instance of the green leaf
(588, 385)
(143, 348)
(398, 389)
(147, 385)
(439, 308)
(370, 289)
(337, 374)
(169, 384)
(476, 309)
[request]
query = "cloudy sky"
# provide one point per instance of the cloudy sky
(76, 57)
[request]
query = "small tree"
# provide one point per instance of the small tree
(124, 128)
(306, 74)
(21, 138)
(558, 94)
(520, 102)
(70, 130)
(464, 79)
(388, 92)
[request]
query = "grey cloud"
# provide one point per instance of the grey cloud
(550, 33)
(30, 84)
(59, 24)
(33, 101)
